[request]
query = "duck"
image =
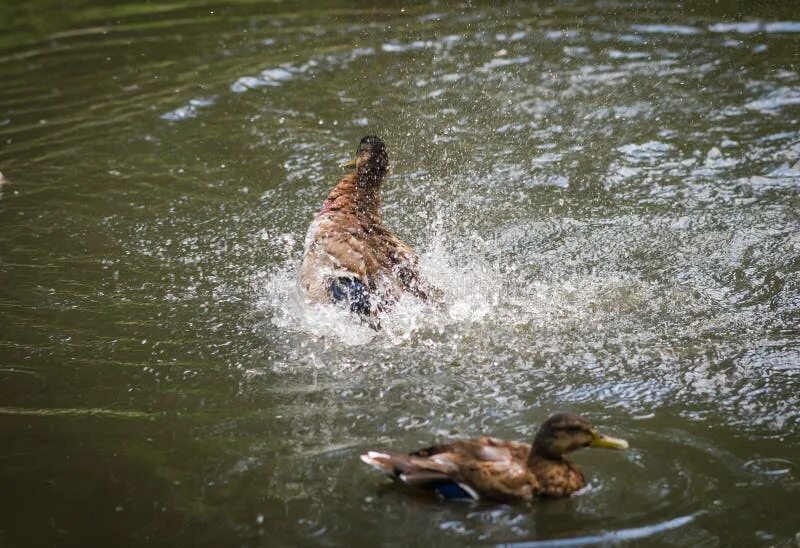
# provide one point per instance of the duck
(494, 469)
(350, 257)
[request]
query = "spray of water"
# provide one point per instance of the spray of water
(470, 286)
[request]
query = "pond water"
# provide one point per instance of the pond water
(607, 193)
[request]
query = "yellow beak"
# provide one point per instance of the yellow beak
(607, 442)
(349, 165)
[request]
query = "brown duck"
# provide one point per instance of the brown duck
(500, 470)
(350, 256)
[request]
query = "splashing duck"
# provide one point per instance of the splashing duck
(488, 468)
(350, 256)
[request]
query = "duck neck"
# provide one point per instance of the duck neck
(356, 194)
(544, 448)
(367, 195)
(538, 457)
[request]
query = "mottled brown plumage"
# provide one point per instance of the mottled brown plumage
(349, 254)
(496, 469)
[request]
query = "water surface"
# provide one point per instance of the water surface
(606, 193)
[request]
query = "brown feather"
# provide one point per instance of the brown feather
(503, 470)
(347, 238)
(496, 469)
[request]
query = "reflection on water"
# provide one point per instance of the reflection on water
(606, 195)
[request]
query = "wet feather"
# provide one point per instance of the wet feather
(347, 243)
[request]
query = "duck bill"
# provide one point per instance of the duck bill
(607, 442)
(349, 165)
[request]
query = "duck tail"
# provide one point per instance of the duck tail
(382, 462)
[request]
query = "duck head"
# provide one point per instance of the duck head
(565, 432)
(372, 161)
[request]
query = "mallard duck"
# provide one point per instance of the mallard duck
(350, 256)
(496, 469)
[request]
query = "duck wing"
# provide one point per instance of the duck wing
(462, 469)
(332, 255)
(346, 247)
(423, 472)
(402, 262)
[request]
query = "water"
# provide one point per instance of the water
(606, 193)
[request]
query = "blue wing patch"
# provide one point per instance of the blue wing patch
(453, 491)
(352, 291)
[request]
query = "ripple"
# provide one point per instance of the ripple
(269, 77)
(744, 27)
(441, 43)
(499, 62)
(190, 110)
(395, 47)
(646, 151)
(773, 101)
(613, 537)
(749, 27)
(75, 412)
(679, 30)
(770, 467)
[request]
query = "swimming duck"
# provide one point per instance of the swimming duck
(350, 256)
(501, 470)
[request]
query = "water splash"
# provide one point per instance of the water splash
(470, 291)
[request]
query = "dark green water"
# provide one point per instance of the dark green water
(607, 193)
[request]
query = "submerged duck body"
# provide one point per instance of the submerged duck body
(488, 468)
(350, 256)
